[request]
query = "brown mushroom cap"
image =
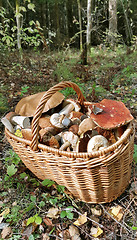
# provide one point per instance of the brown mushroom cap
(114, 114)
(45, 122)
(10, 115)
(75, 114)
(27, 106)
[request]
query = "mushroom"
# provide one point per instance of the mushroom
(85, 125)
(59, 121)
(53, 142)
(114, 114)
(27, 133)
(75, 114)
(74, 128)
(14, 119)
(96, 143)
(71, 104)
(83, 141)
(67, 109)
(22, 121)
(47, 138)
(108, 134)
(27, 106)
(69, 138)
(45, 135)
(45, 122)
(10, 115)
(7, 124)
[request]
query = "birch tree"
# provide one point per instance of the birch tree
(112, 22)
(18, 21)
(89, 23)
(80, 24)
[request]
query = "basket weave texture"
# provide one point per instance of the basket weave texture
(96, 177)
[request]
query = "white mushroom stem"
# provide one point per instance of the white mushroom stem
(7, 124)
(59, 121)
(67, 109)
(71, 138)
(65, 145)
(22, 121)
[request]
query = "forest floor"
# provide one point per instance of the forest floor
(30, 209)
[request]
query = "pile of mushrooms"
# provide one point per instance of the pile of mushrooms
(66, 125)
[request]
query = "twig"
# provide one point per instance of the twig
(100, 225)
(114, 219)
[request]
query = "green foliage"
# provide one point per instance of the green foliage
(14, 215)
(48, 183)
(13, 157)
(134, 228)
(11, 170)
(24, 90)
(29, 36)
(67, 213)
(35, 219)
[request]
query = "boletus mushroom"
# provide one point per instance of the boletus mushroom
(96, 143)
(114, 114)
(27, 106)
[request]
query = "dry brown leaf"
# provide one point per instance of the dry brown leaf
(74, 233)
(6, 232)
(29, 229)
(96, 212)
(117, 212)
(5, 212)
(65, 235)
(73, 230)
(95, 232)
(53, 213)
(47, 221)
(81, 219)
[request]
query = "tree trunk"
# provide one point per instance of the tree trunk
(128, 29)
(57, 23)
(89, 24)
(112, 22)
(80, 24)
(18, 21)
(70, 18)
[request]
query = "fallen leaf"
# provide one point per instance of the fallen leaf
(65, 235)
(117, 212)
(74, 233)
(47, 221)
(96, 212)
(29, 229)
(53, 213)
(5, 212)
(81, 219)
(95, 232)
(6, 232)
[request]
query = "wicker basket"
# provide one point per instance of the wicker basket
(97, 177)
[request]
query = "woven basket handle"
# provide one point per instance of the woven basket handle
(44, 99)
